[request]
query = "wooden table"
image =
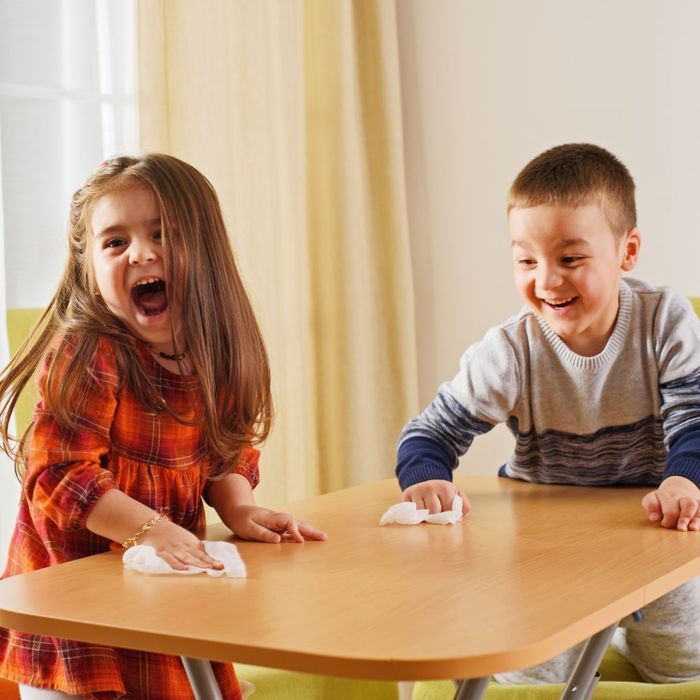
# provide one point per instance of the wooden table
(530, 572)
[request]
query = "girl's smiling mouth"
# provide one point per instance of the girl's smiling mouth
(149, 296)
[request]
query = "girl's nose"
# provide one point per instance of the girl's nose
(141, 252)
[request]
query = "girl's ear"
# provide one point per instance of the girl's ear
(630, 249)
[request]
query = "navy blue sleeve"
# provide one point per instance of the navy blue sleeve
(421, 459)
(684, 455)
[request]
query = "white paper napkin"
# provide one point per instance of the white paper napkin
(407, 513)
(144, 559)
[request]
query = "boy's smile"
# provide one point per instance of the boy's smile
(127, 260)
(568, 264)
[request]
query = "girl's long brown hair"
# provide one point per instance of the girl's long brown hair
(223, 340)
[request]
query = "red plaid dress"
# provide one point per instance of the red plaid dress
(152, 458)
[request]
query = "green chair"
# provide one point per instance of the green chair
(619, 680)
(19, 323)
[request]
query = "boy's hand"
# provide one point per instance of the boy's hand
(676, 504)
(436, 495)
(254, 523)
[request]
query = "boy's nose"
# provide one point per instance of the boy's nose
(548, 278)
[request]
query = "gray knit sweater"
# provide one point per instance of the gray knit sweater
(630, 415)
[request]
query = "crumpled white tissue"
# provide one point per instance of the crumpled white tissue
(144, 559)
(407, 513)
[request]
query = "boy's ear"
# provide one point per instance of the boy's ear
(630, 249)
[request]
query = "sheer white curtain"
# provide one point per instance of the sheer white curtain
(9, 486)
(67, 101)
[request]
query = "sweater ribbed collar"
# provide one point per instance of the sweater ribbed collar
(612, 347)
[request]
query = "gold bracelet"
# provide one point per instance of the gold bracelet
(145, 527)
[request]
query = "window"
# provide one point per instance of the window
(67, 102)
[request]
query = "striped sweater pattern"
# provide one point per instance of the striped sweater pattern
(627, 416)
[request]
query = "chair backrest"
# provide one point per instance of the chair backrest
(19, 323)
(695, 301)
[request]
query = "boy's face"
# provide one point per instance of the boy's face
(568, 264)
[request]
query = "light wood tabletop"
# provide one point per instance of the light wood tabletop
(530, 571)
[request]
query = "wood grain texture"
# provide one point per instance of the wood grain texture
(531, 571)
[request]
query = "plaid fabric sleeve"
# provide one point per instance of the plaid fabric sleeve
(65, 474)
(247, 466)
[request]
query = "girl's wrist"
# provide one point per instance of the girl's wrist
(134, 539)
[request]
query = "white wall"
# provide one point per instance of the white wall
(487, 86)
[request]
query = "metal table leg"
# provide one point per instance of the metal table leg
(471, 688)
(202, 679)
(584, 677)
(580, 686)
(581, 683)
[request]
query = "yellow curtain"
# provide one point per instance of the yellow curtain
(292, 109)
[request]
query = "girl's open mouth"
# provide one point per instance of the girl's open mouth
(150, 296)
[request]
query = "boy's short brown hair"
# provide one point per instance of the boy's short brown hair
(574, 174)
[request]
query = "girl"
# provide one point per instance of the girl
(154, 386)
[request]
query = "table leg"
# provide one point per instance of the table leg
(584, 677)
(202, 679)
(471, 688)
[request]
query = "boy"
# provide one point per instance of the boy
(598, 379)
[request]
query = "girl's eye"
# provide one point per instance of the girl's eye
(158, 235)
(526, 262)
(115, 243)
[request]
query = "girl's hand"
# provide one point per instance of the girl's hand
(254, 523)
(436, 495)
(178, 547)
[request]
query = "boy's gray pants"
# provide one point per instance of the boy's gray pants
(664, 646)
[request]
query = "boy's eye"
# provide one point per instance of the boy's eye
(571, 259)
(525, 262)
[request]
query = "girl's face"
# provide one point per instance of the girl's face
(127, 259)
